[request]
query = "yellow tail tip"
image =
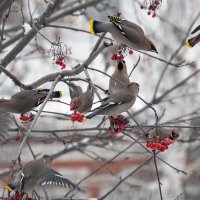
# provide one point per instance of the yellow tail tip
(92, 27)
(61, 94)
(39, 89)
(85, 118)
(188, 44)
(8, 188)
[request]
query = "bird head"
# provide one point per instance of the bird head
(174, 134)
(47, 159)
(121, 64)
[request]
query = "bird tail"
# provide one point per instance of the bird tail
(8, 187)
(90, 116)
(192, 41)
(56, 94)
(94, 27)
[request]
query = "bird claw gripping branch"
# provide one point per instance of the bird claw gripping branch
(118, 124)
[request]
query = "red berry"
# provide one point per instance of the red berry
(157, 137)
(73, 106)
(17, 138)
(130, 52)
(112, 132)
(154, 14)
(120, 117)
(24, 118)
(113, 57)
(121, 57)
(170, 141)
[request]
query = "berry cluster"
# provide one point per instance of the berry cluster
(121, 53)
(118, 124)
(77, 117)
(61, 62)
(19, 196)
(159, 144)
(27, 117)
(151, 6)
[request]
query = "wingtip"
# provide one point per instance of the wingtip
(92, 27)
(188, 44)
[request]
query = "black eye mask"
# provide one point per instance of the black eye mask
(120, 65)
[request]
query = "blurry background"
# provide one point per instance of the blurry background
(81, 148)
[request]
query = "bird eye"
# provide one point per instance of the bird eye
(123, 61)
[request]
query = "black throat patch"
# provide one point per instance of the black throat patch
(120, 66)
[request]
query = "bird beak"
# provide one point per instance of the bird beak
(156, 51)
(153, 49)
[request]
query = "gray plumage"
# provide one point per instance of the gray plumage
(82, 100)
(5, 122)
(121, 75)
(124, 32)
(117, 103)
(26, 100)
(37, 173)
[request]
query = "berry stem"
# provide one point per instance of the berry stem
(158, 177)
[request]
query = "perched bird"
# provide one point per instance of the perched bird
(117, 103)
(26, 100)
(164, 133)
(194, 40)
(124, 32)
(81, 101)
(38, 172)
(121, 75)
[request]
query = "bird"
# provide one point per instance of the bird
(81, 101)
(38, 173)
(26, 100)
(164, 133)
(124, 32)
(194, 40)
(121, 75)
(117, 103)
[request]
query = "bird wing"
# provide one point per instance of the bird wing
(131, 25)
(118, 98)
(126, 27)
(114, 100)
(52, 177)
